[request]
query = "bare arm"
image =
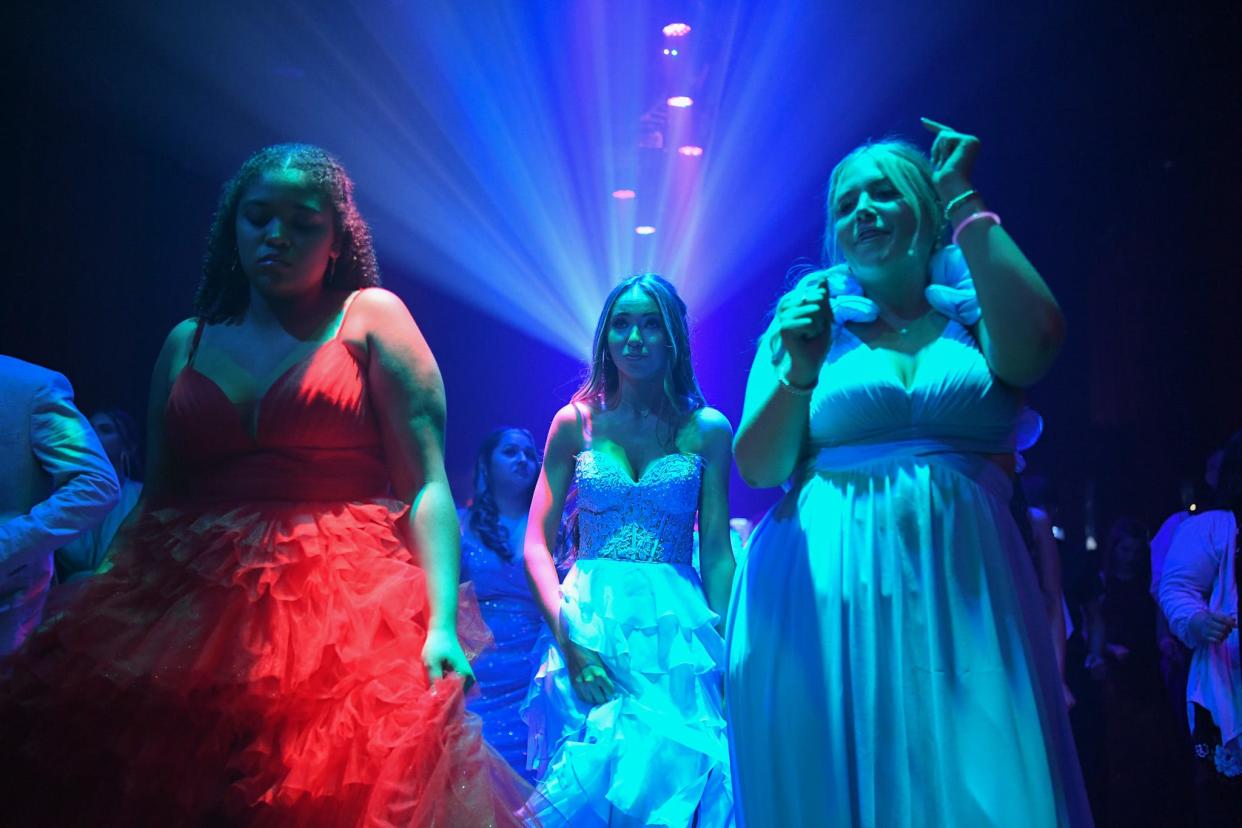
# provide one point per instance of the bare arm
(587, 672)
(1022, 327)
(408, 394)
(546, 505)
(715, 551)
(772, 433)
(160, 478)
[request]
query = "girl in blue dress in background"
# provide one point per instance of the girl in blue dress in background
(493, 528)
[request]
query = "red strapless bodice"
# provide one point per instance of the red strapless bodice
(316, 436)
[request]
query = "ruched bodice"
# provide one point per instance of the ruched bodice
(950, 402)
(316, 437)
(952, 398)
(648, 520)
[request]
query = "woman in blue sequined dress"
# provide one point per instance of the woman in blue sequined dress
(626, 725)
(492, 529)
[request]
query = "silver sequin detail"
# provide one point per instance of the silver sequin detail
(651, 521)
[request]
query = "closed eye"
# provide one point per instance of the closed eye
(257, 218)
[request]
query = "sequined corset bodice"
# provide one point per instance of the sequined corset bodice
(651, 520)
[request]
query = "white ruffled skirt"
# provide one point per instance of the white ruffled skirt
(658, 752)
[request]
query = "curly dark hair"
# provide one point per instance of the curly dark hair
(484, 514)
(224, 293)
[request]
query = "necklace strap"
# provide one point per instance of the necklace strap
(902, 326)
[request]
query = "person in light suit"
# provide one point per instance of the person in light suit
(55, 482)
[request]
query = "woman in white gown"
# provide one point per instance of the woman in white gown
(889, 661)
(625, 714)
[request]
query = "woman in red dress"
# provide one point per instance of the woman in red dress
(280, 640)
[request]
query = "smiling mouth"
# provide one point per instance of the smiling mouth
(868, 235)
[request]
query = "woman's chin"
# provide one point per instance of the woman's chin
(283, 289)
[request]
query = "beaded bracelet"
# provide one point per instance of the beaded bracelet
(983, 214)
(796, 390)
(956, 200)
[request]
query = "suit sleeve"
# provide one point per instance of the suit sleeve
(84, 484)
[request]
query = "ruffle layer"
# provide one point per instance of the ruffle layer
(650, 619)
(657, 751)
(260, 665)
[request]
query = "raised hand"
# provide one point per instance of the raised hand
(953, 157)
(804, 323)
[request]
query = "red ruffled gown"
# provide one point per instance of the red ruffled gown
(253, 658)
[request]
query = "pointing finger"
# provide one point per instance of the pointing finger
(935, 126)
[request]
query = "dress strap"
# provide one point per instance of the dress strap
(198, 335)
(349, 301)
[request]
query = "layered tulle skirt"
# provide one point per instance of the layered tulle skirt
(249, 666)
(890, 663)
(657, 753)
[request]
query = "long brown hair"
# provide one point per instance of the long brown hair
(484, 514)
(681, 388)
